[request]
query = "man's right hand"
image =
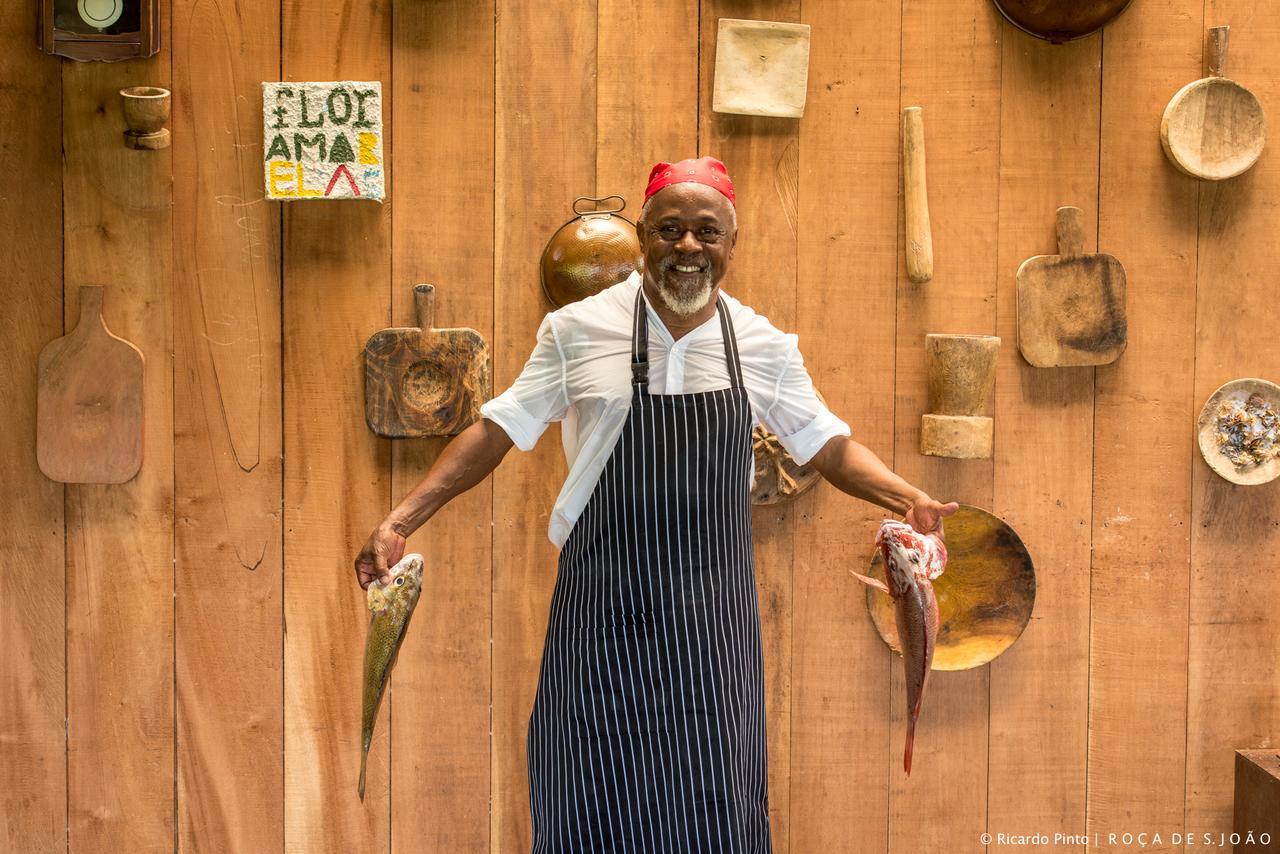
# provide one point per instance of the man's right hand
(383, 550)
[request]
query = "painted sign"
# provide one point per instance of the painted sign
(323, 140)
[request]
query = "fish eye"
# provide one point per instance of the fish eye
(400, 581)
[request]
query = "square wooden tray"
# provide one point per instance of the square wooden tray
(762, 68)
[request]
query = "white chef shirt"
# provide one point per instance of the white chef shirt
(580, 372)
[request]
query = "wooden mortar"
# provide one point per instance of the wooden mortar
(962, 374)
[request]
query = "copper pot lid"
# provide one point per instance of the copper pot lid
(1060, 21)
(592, 251)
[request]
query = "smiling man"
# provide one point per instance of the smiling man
(648, 727)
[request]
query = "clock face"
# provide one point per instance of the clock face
(100, 14)
(97, 17)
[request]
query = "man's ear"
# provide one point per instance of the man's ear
(733, 242)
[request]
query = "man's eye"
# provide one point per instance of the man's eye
(669, 231)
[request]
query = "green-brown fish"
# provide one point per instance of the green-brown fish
(391, 606)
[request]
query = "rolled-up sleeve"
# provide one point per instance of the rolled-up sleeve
(537, 397)
(802, 422)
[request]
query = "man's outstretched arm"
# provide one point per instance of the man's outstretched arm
(852, 468)
(463, 463)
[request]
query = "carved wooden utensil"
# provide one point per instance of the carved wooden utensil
(1071, 306)
(919, 239)
(89, 402)
(423, 381)
(1213, 127)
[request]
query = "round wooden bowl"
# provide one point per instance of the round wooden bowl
(1214, 128)
(985, 595)
(1207, 432)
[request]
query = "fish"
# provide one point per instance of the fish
(912, 562)
(391, 606)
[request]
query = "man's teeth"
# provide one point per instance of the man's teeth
(681, 268)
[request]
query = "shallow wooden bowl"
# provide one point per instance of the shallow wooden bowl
(1206, 432)
(985, 595)
(1214, 128)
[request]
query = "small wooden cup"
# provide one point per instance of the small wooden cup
(962, 373)
(146, 112)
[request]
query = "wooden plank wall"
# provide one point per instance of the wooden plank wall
(182, 653)
(33, 699)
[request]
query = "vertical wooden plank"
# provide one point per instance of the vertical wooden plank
(1143, 440)
(1044, 444)
(443, 77)
(119, 232)
(845, 306)
(640, 124)
(227, 451)
(545, 155)
(762, 155)
(1234, 669)
(337, 480)
(950, 67)
(33, 776)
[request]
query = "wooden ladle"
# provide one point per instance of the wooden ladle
(1213, 127)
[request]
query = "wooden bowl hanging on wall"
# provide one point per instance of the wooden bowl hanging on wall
(1214, 128)
(985, 595)
(1060, 21)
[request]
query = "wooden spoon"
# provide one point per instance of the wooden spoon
(1213, 127)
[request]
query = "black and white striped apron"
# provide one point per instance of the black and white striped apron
(648, 729)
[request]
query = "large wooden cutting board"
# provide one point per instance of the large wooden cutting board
(1071, 306)
(89, 402)
(420, 381)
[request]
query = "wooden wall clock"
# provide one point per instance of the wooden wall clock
(108, 30)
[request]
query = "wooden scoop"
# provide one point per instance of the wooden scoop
(1214, 128)
(423, 381)
(1071, 306)
(89, 402)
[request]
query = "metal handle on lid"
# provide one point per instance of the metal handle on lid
(598, 201)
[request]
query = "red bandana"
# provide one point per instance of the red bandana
(703, 170)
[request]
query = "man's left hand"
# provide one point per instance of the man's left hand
(925, 514)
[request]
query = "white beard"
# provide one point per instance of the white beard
(688, 302)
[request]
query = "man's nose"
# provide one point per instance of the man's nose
(687, 242)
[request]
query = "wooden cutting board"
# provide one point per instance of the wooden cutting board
(420, 381)
(89, 402)
(1071, 306)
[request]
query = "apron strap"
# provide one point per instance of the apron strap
(640, 343)
(730, 343)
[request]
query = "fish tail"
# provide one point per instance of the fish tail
(911, 737)
(364, 762)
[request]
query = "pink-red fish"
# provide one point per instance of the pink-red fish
(912, 561)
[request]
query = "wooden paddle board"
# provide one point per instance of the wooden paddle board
(89, 402)
(420, 381)
(1071, 306)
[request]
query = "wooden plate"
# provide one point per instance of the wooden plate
(985, 595)
(1249, 475)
